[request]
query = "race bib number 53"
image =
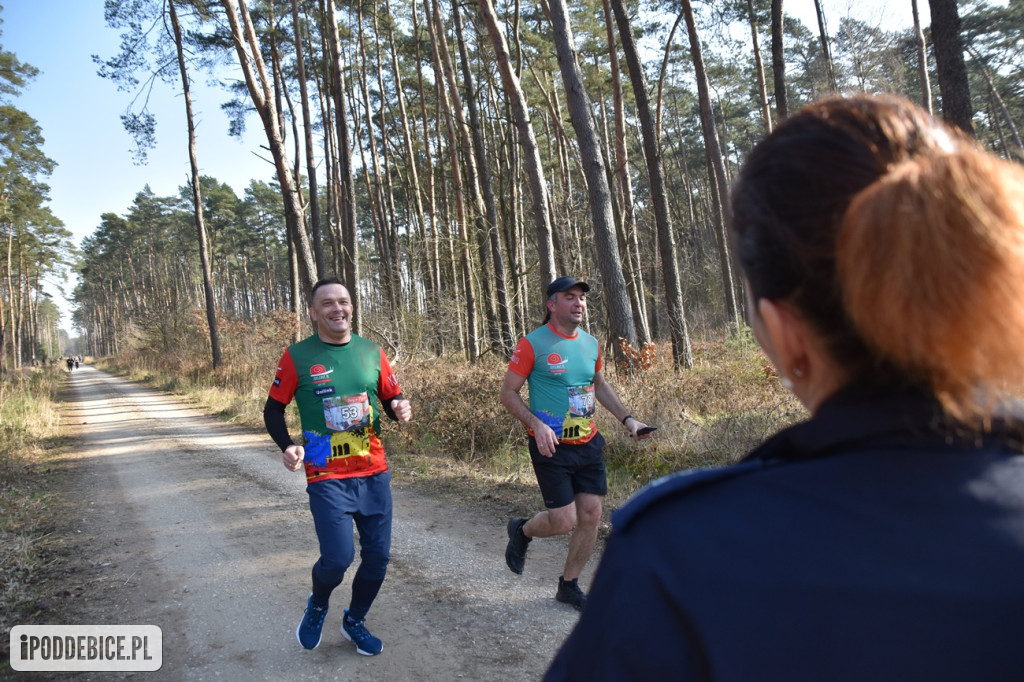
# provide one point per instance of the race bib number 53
(347, 413)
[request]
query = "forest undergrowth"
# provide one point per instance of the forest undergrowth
(30, 423)
(461, 444)
(462, 439)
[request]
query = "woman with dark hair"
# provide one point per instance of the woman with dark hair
(883, 538)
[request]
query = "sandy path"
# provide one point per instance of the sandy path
(195, 526)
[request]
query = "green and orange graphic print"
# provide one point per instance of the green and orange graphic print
(336, 389)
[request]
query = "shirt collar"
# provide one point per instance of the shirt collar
(863, 415)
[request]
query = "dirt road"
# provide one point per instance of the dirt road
(195, 526)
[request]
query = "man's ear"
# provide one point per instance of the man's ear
(786, 334)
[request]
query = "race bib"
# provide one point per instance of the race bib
(581, 401)
(347, 413)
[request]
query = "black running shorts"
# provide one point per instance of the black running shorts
(572, 469)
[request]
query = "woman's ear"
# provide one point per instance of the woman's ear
(800, 356)
(787, 336)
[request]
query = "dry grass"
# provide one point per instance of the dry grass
(29, 427)
(461, 445)
(709, 415)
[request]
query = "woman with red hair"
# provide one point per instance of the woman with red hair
(883, 538)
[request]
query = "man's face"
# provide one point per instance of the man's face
(569, 307)
(332, 313)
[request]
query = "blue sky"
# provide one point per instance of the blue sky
(79, 112)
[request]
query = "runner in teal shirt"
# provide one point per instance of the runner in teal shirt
(563, 365)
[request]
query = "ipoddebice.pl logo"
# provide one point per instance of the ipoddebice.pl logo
(126, 648)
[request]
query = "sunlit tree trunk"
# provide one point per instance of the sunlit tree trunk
(347, 198)
(682, 355)
(260, 89)
(922, 60)
(314, 208)
(716, 163)
(441, 66)
(489, 220)
(826, 51)
(614, 293)
(431, 229)
(624, 190)
(419, 265)
(527, 140)
(762, 92)
(197, 200)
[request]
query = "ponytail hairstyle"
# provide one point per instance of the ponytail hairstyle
(898, 240)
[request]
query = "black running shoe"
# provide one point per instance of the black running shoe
(515, 552)
(569, 592)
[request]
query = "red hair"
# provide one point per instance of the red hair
(930, 260)
(898, 239)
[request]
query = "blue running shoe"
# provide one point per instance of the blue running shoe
(311, 625)
(356, 632)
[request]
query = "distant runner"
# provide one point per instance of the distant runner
(563, 365)
(336, 379)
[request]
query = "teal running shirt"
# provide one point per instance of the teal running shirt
(560, 371)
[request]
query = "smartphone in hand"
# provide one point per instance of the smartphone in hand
(645, 430)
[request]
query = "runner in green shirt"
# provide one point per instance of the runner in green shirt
(337, 378)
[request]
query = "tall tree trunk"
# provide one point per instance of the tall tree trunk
(922, 60)
(614, 293)
(388, 198)
(347, 198)
(314, 208)
(682, 355)
(826, 51)
(432, 230)
(779, 61)
(10, 293)
(762, 92)
(528, 141)
(661, 76)
(949, 62)
(490, 217)
(374, 187)
(419, 264)
(443, 74)
(624, 186)
(197, 199)
(715, 161)
(257, 80)
(478, 178)
(1000, 104)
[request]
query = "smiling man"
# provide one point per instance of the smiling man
(563, 365)
(336, 379)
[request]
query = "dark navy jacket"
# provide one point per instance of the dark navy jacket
(868, 543)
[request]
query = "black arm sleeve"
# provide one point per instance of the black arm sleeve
(273, 418)
(388, 410)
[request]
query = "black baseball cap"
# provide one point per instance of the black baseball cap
(565, 283)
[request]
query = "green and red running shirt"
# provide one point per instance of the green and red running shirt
(560, 370)
(336, 388)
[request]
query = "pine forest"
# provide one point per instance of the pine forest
(448, 159)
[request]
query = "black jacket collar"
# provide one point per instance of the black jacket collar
(863, 416)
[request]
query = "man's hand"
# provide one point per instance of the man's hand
(546, 439)
(402, 409)
(635, 425)
(293, 456)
